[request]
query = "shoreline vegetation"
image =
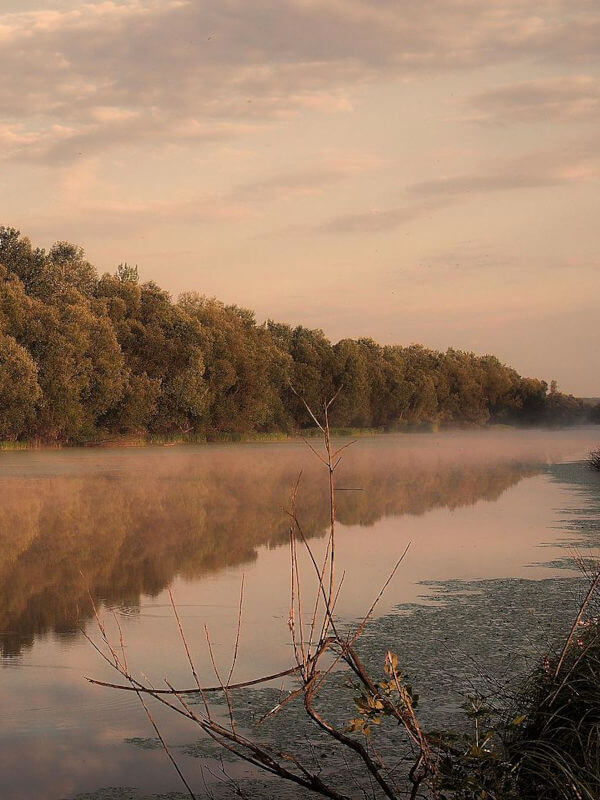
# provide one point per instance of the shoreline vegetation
(88, 358)
(125, 441)
(214, 437)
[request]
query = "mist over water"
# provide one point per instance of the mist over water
(116, 528)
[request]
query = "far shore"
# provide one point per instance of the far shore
(229, 437)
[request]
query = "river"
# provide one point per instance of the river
(116, 528)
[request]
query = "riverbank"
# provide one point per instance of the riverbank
(232, 437)
(217, 437)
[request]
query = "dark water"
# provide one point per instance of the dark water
(117, 528)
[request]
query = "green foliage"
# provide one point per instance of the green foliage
(105, 355)
(475, 765)
(556, 749)
(393, 697)
(127, 273)
(547, 745)
(19, 388)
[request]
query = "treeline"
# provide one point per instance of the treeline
(85, 357)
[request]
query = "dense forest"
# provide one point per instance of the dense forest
(85, 357)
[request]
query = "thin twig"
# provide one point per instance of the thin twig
(237, 635)
(166, 747)
(577, 620)
(224, 689)
(206, 689)
(367, 616)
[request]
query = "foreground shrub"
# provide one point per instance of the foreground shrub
(594, 459)
(557, 750)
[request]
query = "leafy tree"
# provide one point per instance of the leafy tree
(66, 266)
(19, 258)
(245, 370)
(19, 390)
(127, 273)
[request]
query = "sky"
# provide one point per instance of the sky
(408, 171)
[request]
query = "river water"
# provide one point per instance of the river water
(116, 528)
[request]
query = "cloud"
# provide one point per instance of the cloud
(567, 98)
(61, 144)
(379, 220)
(309, 179)
(533, 171)
(132, 71)
(127, 218)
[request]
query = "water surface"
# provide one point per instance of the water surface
(117, 528)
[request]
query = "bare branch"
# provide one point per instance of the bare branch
(367, 616)
(206, 689)
(237, 635)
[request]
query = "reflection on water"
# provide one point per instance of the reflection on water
(123, 525)
(120, 532)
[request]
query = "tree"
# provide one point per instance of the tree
(19, 258)
(19, 390)
(67, 266)
(127, 273)
(246, 372)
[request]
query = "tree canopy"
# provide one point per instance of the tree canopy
(84, 356)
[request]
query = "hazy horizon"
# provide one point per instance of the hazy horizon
(410, 173)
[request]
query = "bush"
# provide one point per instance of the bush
(594, 459)
(557, 750)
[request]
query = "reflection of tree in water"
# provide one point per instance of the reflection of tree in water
(131, 533)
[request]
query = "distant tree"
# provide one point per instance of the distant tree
(19, 258)
(530, 396)
(421, 372)
(461, 395)
(246, 372)
(67, 266)
(19, 390)
(390, 399)
(562, 408)
(127, 273)
(499, 382)
(312, 374)
(80, 368)
(137, 406)
(352, 368)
